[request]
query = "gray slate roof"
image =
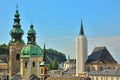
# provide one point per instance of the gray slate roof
(101, 54)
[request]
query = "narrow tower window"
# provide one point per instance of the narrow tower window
(17, 56)
(41, 71)
(33, 64)
(45, 71)
(26, 64)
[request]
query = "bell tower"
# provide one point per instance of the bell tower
(15, 45)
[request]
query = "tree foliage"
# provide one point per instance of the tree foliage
(53, 65)
(4, 49)
(52, 54)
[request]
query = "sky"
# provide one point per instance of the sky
(57, 23)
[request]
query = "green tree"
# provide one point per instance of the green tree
(54, 64)
(50, 66)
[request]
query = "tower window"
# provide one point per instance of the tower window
(33, 64)
(45, 71)
(41, 71)
(26, 64)
(17, 56)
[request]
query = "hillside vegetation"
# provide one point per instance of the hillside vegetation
(51, 54)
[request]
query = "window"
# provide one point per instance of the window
(26, 64)
(41, 71)
(33, 64)
(101, 68)
(45, 71)
(17, 56)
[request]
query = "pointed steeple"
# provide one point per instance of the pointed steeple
(16, 32)
(81, 29)
(44, 53)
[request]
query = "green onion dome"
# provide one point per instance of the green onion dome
(16, 30)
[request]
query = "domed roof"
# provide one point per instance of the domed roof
(31, 30)
(31, 50)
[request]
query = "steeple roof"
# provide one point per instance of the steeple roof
(44, 63)
(81, 29)
(44, 53)
(16, 32)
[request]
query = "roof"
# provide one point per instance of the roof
(107, 72)
(16, 32)
(34, 77)
(17, 76)
(3, 58)
(31, 50)
(81, 29)
(70, 61)
(31, 30)
(70, 71)
(101, 54)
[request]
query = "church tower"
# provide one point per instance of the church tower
(15, 45)
(31, 56)
(81, 51)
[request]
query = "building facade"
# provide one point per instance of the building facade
(100, 59)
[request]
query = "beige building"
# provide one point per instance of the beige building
(70, 63)
(100, 59)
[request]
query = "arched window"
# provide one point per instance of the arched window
(45, 71)
(33, 64)
(17, 56)
(26, 64)
(41, 70)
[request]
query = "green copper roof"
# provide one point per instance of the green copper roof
(17, 14)
(16, 32)
(31, 50)
(31, 30)
(81, 29)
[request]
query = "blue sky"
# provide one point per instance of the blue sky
(57, 22)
